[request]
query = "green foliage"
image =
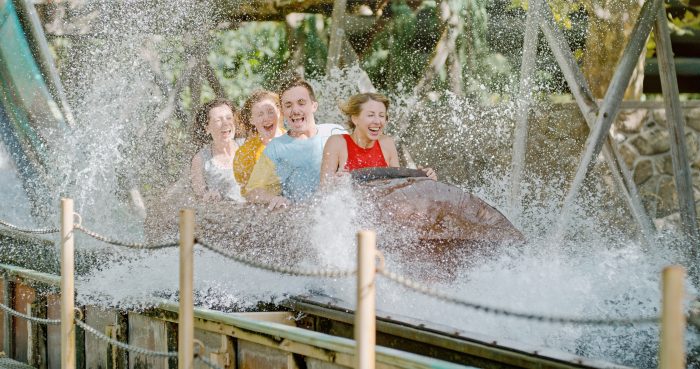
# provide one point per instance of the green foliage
(315, 46)
(249, 57)
(561, 9)
(401, 50)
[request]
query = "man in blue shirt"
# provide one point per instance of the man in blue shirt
(289, 169)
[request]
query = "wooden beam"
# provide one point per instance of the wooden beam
(527, 69)
(337, 35)
(676, 127)
(589, 108)
(611, 103)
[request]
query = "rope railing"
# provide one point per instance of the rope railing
(278, 268)
(206, 361)
(415, 286)
(130, 245)
(396, 278)
(122, 345)
(30, 318)
(366, 272)
(29, 230)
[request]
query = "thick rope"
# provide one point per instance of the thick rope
(122, 345)
(16, 313)
(278, 268)
(29, 230)
(527, 316)
(131, 245)
(206, 361)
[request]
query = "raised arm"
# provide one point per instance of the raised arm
(331, 158)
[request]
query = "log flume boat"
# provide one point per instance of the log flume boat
(413, 215)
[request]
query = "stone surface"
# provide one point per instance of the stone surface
(651, 142)
(659, 116)
(629, 155)
(668, 198)
(648, 192)
(643, 171)
(692, 118)
(630, 120)
(664, 164)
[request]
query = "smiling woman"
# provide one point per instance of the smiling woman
(367, 146)
(214, 132)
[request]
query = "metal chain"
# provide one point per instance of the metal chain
(280, 269)
(30, 230)
(29, 317)
(131, 245)
(122, 345)
(206, 361)
(498, 311)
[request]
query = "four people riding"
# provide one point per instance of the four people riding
(277, 168)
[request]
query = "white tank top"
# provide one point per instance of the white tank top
(220, 178)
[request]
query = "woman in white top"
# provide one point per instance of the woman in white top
(212, 167)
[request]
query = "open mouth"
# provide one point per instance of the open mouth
(375, 131)
(298, 121)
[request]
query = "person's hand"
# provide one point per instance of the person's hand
(429, 172)
(211, 196)
(277, 202)
(342, 173)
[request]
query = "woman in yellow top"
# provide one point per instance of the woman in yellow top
(262, 115)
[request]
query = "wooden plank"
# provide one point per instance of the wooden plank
(53, 332)
(337, 33)
(527, 69)
(147, 333)
(676, 128)
(589, 109)
(610, 107)
(301, 341)
(279, 317)
(23, 297)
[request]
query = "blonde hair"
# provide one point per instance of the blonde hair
(256, 97)
(353, 106)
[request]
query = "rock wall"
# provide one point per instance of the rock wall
(643, 140)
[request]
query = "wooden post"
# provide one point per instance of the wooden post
(67, 286)
(672, 350)
(337, 35)
(185, 333)
(611, 103)
(676, 127)
(365, 320)
(527, 69)
(589, 108)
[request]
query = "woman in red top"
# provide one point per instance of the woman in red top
(366, 146)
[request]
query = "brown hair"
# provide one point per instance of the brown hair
(354, 104)
(201, 119)
(256, 97)
(295, 81)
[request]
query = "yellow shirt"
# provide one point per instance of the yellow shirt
(245, 159)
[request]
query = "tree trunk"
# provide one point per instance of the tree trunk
(610, 24)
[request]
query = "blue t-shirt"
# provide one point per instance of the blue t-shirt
(291, 166)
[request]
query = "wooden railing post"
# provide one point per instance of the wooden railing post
(365, 322)
(672, 350)
(185, 332)
(67, 286)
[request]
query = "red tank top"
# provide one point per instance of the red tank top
(359, 157)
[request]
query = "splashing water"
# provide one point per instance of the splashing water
(599, 269)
